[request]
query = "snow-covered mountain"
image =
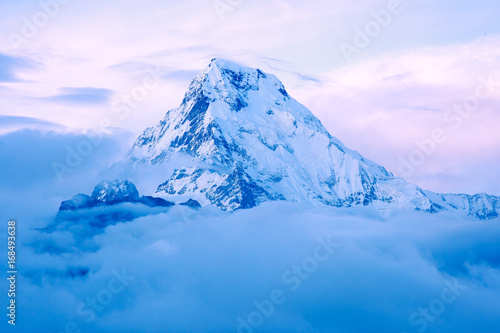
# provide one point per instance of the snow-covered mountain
(482, 206)
(109, 193)
(244, 140)
(110, 202)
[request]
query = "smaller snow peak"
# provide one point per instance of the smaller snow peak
(109, 193)
(115, 191)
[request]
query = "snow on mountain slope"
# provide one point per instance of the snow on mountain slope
(482, 206)
(248, 142)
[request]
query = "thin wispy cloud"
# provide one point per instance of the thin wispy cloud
(15, 123)
(81, 96)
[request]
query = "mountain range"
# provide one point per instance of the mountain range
(238, 139)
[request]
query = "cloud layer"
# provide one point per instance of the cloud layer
(200, 271)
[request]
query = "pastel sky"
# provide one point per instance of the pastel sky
(67, 70)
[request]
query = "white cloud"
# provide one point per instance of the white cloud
(384, 270)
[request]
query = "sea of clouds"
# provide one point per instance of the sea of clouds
(280, 267)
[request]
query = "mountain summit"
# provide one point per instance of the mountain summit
(243, 140)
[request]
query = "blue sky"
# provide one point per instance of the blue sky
(90, 55)
(9, 65)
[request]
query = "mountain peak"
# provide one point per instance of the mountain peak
(115, 191)
(230, 82)
(256, 143)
